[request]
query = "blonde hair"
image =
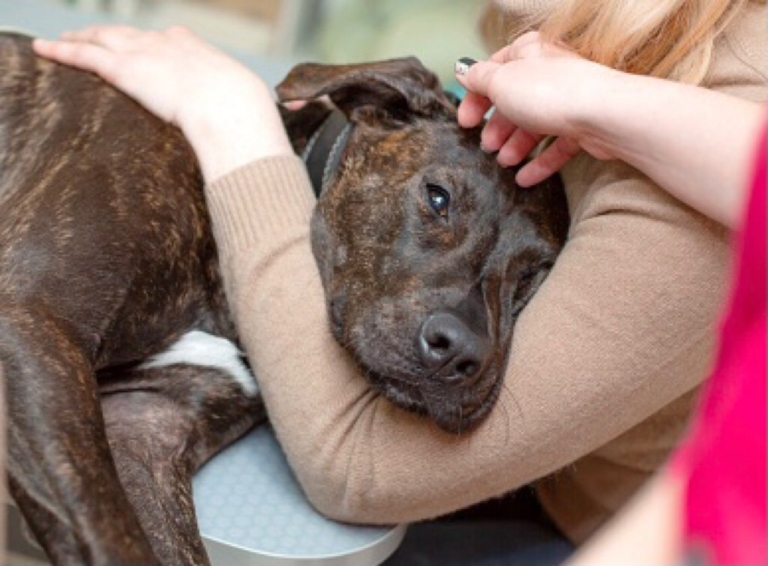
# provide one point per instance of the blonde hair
(671, 39)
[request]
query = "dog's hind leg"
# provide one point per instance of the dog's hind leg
(60, 470)
(163, 423)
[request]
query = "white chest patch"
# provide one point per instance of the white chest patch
(202, 349)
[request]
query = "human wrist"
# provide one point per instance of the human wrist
(230, 142)
(228, 134)
(598, 117)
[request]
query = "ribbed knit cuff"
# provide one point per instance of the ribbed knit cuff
(264, 200)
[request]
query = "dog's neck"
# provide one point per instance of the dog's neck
(319, 134)
(325, 148)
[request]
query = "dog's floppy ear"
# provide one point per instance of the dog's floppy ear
(396, 89)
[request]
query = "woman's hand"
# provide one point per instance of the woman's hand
(538, 89)
(226, 112)
(694, 142)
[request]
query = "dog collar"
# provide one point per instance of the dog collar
(324, 149)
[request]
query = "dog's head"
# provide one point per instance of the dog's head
(427, 248)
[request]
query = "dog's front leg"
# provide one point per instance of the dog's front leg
(60, 469)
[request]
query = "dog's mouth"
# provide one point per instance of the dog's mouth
(443, 363)
(456, 411)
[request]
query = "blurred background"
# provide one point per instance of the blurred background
(274, 34)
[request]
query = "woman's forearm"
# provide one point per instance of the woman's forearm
(238, 133)
(361, 459)
(695, 143)
(647, 531)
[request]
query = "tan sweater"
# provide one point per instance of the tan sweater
(603, 365)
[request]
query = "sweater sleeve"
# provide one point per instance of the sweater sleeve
(623, 327)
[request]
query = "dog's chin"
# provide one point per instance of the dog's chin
(456, 413)
(459, 417)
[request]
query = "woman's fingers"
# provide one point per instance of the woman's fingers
(512, 143)
(519, 145)
(95, 48)
(477, 77)
(548, 162)
(112, 37)
(496, 131)
(87, 56)
(472, 110)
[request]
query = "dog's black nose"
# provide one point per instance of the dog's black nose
(450, 347)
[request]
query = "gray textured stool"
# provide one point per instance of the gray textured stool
(252, 512)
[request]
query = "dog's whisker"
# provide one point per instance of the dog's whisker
(503, 407)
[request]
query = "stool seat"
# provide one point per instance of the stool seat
(252, 512)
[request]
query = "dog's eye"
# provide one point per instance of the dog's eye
(439, 199)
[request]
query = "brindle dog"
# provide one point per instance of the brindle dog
(427, 249)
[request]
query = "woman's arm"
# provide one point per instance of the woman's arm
(692, 141)
(614, 335)
(648, 531)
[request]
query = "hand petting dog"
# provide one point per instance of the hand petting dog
(226, 112)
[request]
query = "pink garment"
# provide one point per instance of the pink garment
(724, 455)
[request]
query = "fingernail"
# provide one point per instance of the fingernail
(462, 65)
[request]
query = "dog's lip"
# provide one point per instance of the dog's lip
(401, 392)
(468, 414)
(453, 417)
